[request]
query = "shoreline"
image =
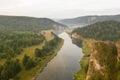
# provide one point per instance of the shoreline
(84, 62)
(81, 74)
(43, 61)
(51, 57)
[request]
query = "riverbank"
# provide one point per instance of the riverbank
(81, 74)
(61, 66)
(30, 51)
(34, 72)
(96, 55)
(48, 58)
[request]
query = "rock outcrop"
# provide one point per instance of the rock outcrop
(103, 60)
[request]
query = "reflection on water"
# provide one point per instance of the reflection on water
(65, 64)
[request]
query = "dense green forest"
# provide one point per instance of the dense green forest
(27, 23)
(11, 45)
(12, 42)
(9, 69)
(106, 30)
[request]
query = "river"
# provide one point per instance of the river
(65, 64)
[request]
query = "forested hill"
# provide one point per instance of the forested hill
(28, 23)
(106, 30)
(86, 20)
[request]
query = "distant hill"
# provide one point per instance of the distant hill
(106, 30)
(28, 23)
(86, 20)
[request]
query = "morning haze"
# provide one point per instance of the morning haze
(59, 8)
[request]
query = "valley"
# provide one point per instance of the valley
(50, 51)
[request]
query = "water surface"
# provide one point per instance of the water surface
(65, 64)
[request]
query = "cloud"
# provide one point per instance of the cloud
(58, 8)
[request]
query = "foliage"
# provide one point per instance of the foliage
(81, 75)
(38, 52)
(9, 69)
(48, 47)
(26, 23)
(107, 30)
(28, 62)
(12, 43)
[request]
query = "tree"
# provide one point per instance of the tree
(38, 52)
(30, 64)
(25, 59)
(10, 69)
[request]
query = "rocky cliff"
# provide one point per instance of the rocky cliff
(100, 60)
(103, 61)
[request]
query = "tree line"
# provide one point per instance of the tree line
(49, 47)
(106, 30)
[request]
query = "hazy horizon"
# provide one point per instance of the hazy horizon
(59, 9)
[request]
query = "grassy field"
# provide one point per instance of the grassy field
(32, 73)
(29, 51)
(2, 61)
(47, 34)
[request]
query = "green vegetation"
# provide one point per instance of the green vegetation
(118, 70)
(12, 43)
(9, 69)
(26, 63)
(19, 37)
(107, 30)
(27, 23)
(48, 47)
(81, 75)
(41, 62)
(107, 56)
(103, 53)
(85, 48)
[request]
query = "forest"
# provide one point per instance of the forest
(12, 42)
(106, 30)
(21, 23)
(11, 45)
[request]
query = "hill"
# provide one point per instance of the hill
(106, 30)
(101, 48)
(21, 23)
(86, 20)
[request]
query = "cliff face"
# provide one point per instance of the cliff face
(103, 60)
(118, 48)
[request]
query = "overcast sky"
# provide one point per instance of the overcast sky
(59, 8)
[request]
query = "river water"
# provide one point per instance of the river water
(65, 64)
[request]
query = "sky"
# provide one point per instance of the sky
(59, 9)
